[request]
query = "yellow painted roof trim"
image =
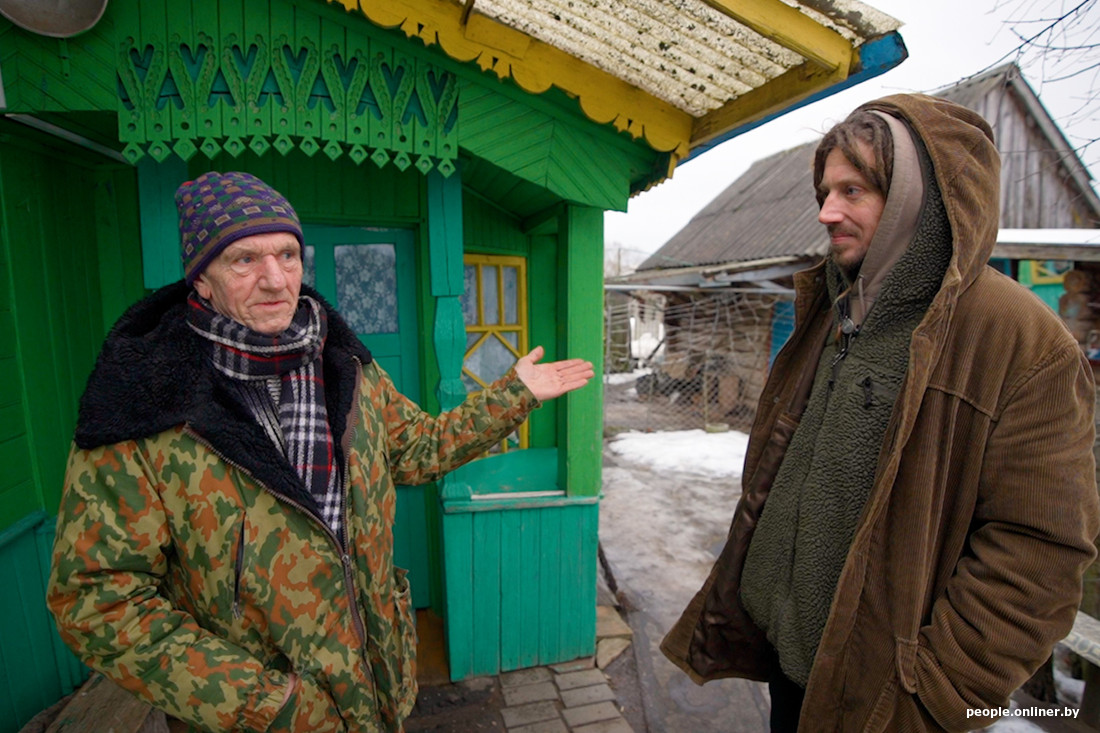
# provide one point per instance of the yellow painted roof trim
(535, 66)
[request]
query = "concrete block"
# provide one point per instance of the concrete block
(530, 693)
(606, 726)
(525, 677)
(610, 623)
(582, 678)
(547, 726)
(608, 650)
(586, 695)
(534, 712)
(594, 713)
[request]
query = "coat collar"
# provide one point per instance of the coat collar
(153, 374)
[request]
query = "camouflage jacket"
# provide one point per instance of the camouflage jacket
(190, 565)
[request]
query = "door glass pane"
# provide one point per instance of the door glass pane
(309, 271)
(511, 295)
(366, 287)
(469, 295)
(489, 294)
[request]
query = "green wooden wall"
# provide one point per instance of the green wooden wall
(530, 573)
(36, 668)
(69, 265)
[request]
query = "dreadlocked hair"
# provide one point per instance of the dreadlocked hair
(860, 126)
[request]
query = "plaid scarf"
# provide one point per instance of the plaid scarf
(281, 381)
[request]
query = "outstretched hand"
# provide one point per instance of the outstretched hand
(547, 381)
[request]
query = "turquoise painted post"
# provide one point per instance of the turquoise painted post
(449, 333)
(160, 234)
(580, 267)
(449, 337)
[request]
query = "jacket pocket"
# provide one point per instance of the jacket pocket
(393, 657)
(238, 570)
(406, 642)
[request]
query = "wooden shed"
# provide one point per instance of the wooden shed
(451, 162)
(732, 263)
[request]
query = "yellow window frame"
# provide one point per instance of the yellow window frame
(487, 331)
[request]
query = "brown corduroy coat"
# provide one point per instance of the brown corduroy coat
(966, 564)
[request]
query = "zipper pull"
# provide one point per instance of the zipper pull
(868, 393)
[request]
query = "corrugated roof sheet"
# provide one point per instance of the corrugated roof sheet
(689, 53)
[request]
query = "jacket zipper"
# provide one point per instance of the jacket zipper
(345, 557)
(239, 570)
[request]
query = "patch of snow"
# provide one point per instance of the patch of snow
(1069, 689)
(715, 455)
(625, 377)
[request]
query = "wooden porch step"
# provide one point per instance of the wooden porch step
(101, 706)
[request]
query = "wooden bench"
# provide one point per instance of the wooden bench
(101, 706)
(1084, 641)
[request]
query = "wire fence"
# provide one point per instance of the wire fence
(678, 361)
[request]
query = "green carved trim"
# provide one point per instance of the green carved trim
(335, 90)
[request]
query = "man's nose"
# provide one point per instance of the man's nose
(271, 272)
(829, 213)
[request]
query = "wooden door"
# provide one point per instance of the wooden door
(369, 275)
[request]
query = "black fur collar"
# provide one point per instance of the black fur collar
(154, 374)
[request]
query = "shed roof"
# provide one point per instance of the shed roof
(685, 74)
(770, 212)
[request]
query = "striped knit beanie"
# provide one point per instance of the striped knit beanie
(217, 209)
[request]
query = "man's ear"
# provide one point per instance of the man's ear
(202, 287)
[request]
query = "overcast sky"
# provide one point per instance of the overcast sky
(947, 40)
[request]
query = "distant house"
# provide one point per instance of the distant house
(727, 273)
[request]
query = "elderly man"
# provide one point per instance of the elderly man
(224, 544)
(919, 499)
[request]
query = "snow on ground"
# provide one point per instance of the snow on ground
(666, 510)
(668, 502)
(715, 455)
(625, 377)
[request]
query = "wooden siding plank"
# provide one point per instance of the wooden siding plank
(10, 376)
(486, 591)
(459, 579)
(569, 566)
(27, 629)
(512, 569)
(589, 557)
(550, 608)
(160, 234)
(530, 619)
(11, 420)
(361, 195)
(18, 498)
(118, 235)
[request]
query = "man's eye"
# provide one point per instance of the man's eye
(246, 259)
(853, 190)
